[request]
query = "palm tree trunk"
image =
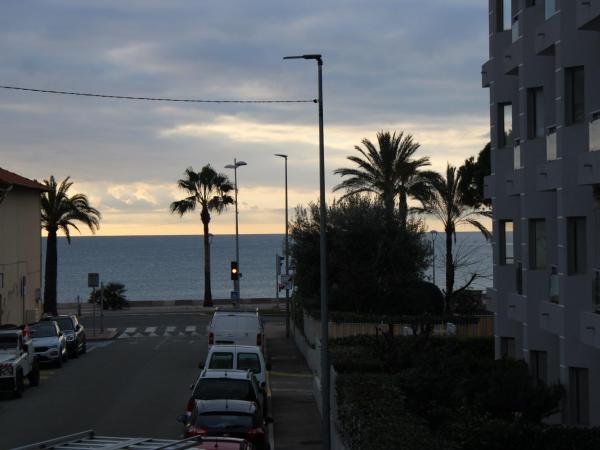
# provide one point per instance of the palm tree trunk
(205, 216)
(50, 274)
(449, 270)
(403, 209)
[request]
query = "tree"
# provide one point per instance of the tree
(114, 296)
(207, 190)
(447, 204)
(388, 172)
(472, 173)
(60, 212)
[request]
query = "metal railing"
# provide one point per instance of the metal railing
(517, 156)
(516, 30)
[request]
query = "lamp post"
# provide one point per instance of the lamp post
(287, 264)
(325, 424)
(433, 236)
(234, 166)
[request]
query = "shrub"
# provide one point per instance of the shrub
(114, 296)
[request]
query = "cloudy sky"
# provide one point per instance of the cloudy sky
(411, 65)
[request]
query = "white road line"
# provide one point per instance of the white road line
(138, 335)
(191, 329)
(161, 343)
(169, 330)
(151, 331)
(130, 330)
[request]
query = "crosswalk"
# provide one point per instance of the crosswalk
(155, 331)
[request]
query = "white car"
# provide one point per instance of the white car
(229, 327)
(17, 360)
(49, 343)
(238, 357)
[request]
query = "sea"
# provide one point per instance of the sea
(171, 267)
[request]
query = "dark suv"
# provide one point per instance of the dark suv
(73, 331)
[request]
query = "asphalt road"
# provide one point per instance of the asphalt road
(130, 386)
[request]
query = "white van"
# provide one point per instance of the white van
(238, 357)
(236, 328)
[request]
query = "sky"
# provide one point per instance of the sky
(398, 65)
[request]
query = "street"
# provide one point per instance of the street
(133, 385)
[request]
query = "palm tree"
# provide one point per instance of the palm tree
(114, 296)
(388, 172)
(60, 212)
(447, 204)
(208, 190)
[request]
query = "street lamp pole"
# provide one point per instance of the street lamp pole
(234, 166)
(325, 387)
(287, 264)
(433, 236)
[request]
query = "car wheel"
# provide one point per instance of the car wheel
(65, 356)
(19, 385)
(75, 353)
(34, 375)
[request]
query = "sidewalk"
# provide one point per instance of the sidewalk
(297, 421)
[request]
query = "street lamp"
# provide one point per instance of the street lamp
(234, 166)
(433, 236)
(287, 265)
(325, 425)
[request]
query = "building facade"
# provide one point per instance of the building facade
(543, 75)
(20, 249)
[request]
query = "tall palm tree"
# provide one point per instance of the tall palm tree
(60, 212)
(447, 204)
(388, 171)
(208, 190)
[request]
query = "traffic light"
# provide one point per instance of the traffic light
(235, 272)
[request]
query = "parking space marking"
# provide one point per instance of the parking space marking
(191, 329)
(287, 374)
(151, 331)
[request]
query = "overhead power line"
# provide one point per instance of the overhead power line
(151, 99)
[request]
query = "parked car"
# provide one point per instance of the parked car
(17, 360)
(227, 384)
(238, 357)
(73, 331)
(236, 327)
(49, 343)
(229, 418)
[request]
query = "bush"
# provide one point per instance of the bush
(114, 296)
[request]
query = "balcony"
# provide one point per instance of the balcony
(513, 57)
(588, 168)
(489, 186)
(516, 307)
(590, 329)
(486, 74)
(552, 317)
(587, 14)
(546, 36)
(515, 182)
(548, 175)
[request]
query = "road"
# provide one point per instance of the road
(134, 385)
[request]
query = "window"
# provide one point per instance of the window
(550, 8)
(503, 14)
(537, 244)
(595, 132)
(535, 113)
(248, 361)
(505, 127)
(221, 361)
(506, 242)
(517, 162)
(507, 348)
(551, 144)
(576, 245)
(574, 95)
(554, 285)
(516, 29)
(579, 394)
(538, 366)
(596, 292)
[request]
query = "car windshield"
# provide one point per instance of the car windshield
(248, 361)
(43, 330)
(225, 421)
(8, 342)
(65, 323)
(223, 388)
(221, 360)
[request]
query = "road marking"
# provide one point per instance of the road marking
(161, 342)
(130, 330)
(127, 332)
(169, 330)
(138, 335)
(192, 330)
(287, 374)
(151, 331)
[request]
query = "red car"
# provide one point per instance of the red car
(227, 418)
(222, 443)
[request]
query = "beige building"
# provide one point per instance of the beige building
(20, 249)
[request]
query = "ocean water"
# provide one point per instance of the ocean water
(171, 267)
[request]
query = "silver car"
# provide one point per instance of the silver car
(49, 343)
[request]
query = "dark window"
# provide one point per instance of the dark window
(507, 347)
(44, 330)
(248, 361)
(505, 125)
(8, 342)
(576, 245)
(537, 244)
(575, 95)
(220, 360)
(579, 394)
(554, 285)
(505, 244)
(538, 365)
(535, 113)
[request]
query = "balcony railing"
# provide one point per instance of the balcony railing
(551, 144)
(517, 156)
(550, 8)
(595, 132)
